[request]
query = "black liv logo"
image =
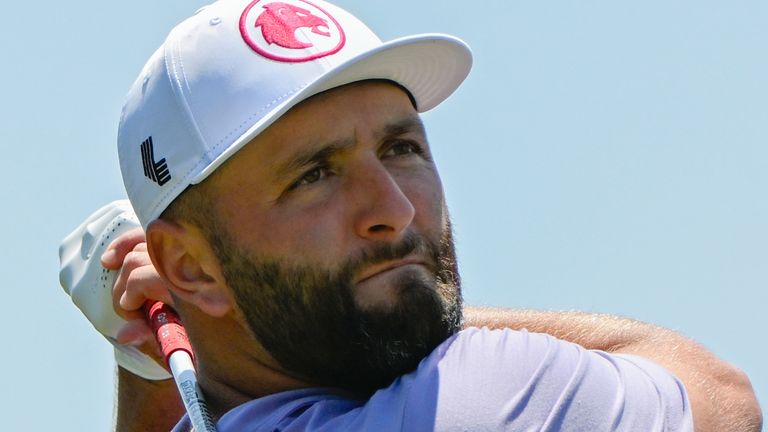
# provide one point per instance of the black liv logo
(156, 171)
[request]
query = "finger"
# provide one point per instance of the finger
(132, 261)
(131, 315)
(139, 334)
(144, 283)
(112, 258)
(135, 332)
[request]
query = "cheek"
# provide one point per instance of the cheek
(298, 233)
(426, 195)
(307, 235)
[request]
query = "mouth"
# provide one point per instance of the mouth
(378, 269)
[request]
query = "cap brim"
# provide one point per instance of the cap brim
(430, 66)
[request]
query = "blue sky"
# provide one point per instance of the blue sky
(602, 156)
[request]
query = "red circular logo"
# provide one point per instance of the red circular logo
(290, 30)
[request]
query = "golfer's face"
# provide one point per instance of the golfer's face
(340, 172)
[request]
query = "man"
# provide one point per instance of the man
(274, 155)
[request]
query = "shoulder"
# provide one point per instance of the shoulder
(510, 380)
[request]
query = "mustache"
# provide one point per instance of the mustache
(411, 244)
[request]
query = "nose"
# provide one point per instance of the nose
(383, 210)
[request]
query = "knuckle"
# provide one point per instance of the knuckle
(135, 259)
(134, 281)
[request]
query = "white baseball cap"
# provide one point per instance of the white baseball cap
(228, 72)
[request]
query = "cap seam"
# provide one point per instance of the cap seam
(272, 103)
(189, 121)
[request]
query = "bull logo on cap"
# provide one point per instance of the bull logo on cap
(290, 30)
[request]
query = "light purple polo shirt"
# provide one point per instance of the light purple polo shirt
(489, 380)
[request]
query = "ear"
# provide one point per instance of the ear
(185, 259)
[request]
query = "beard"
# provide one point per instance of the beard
(307, 318)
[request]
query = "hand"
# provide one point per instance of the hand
(91, 285)
(136, 283)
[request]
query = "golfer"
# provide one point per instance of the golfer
(274, 156)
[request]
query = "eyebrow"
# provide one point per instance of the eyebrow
(403, 126)
(311, 157)
(323, 154)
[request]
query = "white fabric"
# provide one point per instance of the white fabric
(90, 285)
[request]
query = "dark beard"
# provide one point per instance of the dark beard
(307, 318)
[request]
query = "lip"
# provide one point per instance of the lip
(387, 266)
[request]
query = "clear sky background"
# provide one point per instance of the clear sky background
(602, 156)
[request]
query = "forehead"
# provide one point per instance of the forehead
(366, 103)
(355, 112)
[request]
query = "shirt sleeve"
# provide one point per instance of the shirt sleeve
(504, 380)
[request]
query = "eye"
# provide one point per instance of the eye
(314, 175)
(403, 148)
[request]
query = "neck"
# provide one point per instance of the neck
(232, 367)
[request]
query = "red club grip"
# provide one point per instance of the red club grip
(168, 329)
